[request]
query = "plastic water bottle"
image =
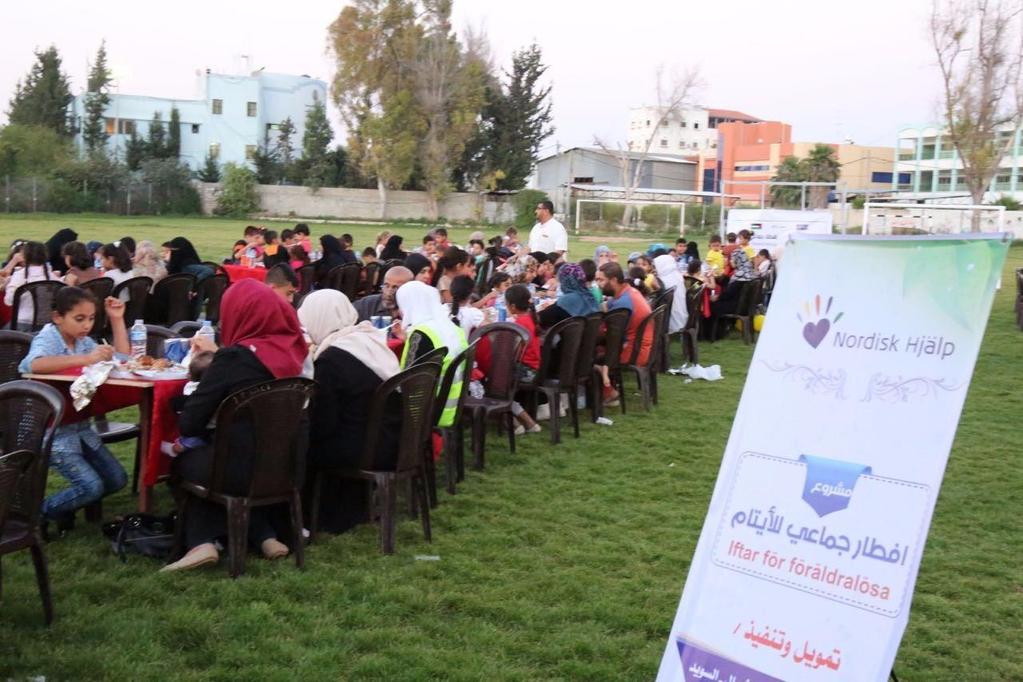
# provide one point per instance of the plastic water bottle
(502, 308)
(137, 337)
(207, 330)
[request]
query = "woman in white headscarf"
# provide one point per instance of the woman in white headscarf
(350, 361)
(422, 311)
(671, 278)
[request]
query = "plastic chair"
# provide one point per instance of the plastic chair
(155, 336)
(691, 332)
(416, 389)
(100, 288)
(210, 291)
(616, 323)
(371, 279)
(587, 357)
(453, 437)
(41, 295)
(31, 411)
(274, 412)
(345, 278)
(13, 348)
(745, 309)
(507, 344)
(138, 292)
(186, 329)
(306, 278)
(559, 356)
(171, 300)
(646, 372)
(666, 299)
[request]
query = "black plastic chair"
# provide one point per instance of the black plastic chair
(559, 357)
(452, 437)
(616, 323)
(155, 336)
(13, 348)
(275, 412)
(587, 357)
(691, 332)
(137, 289)
(171, 300)
(416, 388)
(371, 279)
(745, 309)
(186, 329)
(646, 373)
(507, 344)
(209, 292)
(100, 288)
(41, 295)
(666, 298)
(31, 412)
(306, 278)
(345, 278)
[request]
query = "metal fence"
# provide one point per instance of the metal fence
(56, 195)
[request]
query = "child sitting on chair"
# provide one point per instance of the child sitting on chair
(196, 368)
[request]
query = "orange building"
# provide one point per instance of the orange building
(753, 152)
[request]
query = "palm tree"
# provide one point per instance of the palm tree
(790, 170)
(820, 166)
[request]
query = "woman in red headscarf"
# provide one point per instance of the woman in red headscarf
(262, 341)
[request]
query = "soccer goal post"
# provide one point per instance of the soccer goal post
(907, 219)
(620, 215)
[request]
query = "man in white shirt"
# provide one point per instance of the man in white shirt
(548, 235)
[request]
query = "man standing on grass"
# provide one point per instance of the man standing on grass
(548, 234)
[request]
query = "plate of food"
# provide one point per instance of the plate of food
(157, 368)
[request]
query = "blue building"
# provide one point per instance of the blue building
(236, 115)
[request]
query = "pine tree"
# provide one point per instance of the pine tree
(94, 133)
(174, 134)
(135, 151)
(42, 98)
(286, 149)
(315, 139)
(156, 141)
(210, 171)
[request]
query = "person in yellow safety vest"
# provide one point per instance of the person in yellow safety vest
(422, 311)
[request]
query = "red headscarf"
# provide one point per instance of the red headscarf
(253, 316)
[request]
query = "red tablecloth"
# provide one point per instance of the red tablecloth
(163, 425)
(5, 313)
(237, 272)
(396, 345)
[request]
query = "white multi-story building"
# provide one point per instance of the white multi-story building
(928, 165)
(234, 116)
(690, 131)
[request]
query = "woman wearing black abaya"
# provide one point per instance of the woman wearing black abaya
(55, 246)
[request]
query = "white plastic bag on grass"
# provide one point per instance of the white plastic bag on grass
(712, 373)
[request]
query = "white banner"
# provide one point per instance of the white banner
(808, 556)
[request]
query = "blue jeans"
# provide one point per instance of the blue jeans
(79, 456)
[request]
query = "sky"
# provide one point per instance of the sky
(833, 70)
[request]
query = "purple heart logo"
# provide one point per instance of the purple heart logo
(815, 333)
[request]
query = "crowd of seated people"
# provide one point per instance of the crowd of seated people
(437, 295)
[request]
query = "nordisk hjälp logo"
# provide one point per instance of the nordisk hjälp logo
(818, 324)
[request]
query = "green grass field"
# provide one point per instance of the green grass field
(555, 563)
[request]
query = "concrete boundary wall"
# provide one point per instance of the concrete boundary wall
(364, 204)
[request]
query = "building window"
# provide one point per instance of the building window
(218, 107)
(664, 143)
(696, 126)
(681, 144)
(125, 127)
(747, 169)
(110, 125)
(250, 109)
(648, 123)
(884, 178)
(695, 146)
(215, 150)
(250, 152)
(195, 128)
(583, 181)
(682, 123)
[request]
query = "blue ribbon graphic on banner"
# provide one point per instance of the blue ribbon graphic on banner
(830, 483)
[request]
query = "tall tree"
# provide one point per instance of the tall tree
(94, 133)
(286, 147)
(979, 45)
(156, 140)
(449, 92)
(787, 196)
(373, 42)
(515, 121)
(135, 151)
(42, 98)
(820, 165)
(174, 134)
(315, 139)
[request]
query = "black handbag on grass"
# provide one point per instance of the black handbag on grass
(145, 534)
